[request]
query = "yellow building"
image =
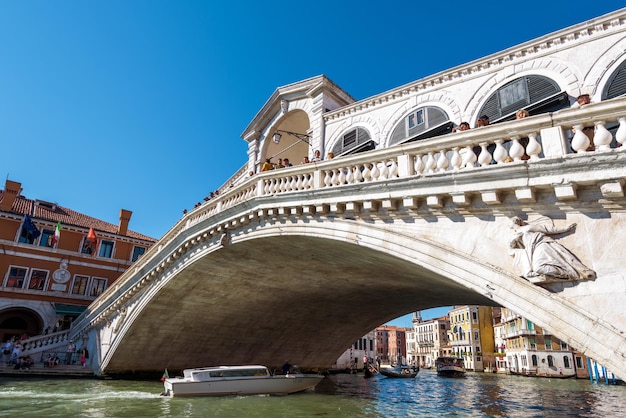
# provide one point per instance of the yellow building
(47, 278)
(471, 335)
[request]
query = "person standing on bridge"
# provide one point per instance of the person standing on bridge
(71, 349)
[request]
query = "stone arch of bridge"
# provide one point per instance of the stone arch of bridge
(305, 290)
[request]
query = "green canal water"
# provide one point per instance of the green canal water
(345, 395)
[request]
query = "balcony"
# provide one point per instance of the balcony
(520, 333)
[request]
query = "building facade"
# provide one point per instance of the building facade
(471, 335)
(427, 340)
(532, 350)
(391, 344)
(51, 266)
(363, 349)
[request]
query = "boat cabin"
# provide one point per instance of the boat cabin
(208, 373)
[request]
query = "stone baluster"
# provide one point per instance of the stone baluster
(299, 184)
(352, 174)
(620, 135)
(602, 138)
(580, 141)
(516, 152)
(442, 161)
(431, 163)
(340, 177)
(358, 176)
(384, 172)
(367, 173)
(328, 178)
(533, 149)
(456, 159)
(393, 168)
(375, 171)
(308, 184)
(500, 154)
(335, 177)
(419, 164)
(469, 158)
(484, 158)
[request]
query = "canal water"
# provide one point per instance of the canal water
(343, 395)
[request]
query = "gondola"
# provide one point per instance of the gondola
(404, 372)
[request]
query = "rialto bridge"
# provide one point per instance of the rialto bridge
(299, 262)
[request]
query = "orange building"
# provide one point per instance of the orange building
(391, 344)
(48, 277)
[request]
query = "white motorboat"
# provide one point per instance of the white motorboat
(450, 366)
(237, 380)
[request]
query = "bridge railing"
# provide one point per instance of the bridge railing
(40, 343)
(551, 135)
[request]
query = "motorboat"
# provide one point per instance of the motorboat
(449, 366)
(238, 380)
(400, 371)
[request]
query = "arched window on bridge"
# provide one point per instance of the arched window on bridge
(535, 93)
(422, 123)
(616, 86)
(353, 142)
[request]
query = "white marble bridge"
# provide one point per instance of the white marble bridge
(297, 263)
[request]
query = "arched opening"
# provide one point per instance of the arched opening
(291, 147)
(537, 94)
(422, 123)
(355, 141)
(616, 86)
(17, 322)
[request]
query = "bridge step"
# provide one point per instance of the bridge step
(38, 370)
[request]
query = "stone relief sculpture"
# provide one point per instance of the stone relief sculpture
(540, 257)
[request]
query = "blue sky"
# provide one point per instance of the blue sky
(140, 104)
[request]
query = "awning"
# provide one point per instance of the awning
(73, 310)
(441, 129)
(365, 146)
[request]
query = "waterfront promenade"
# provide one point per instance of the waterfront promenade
(61, 371)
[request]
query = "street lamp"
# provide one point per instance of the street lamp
(302, 137)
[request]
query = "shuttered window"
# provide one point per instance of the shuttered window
(422, 123)
(616, 86)
(353, 142)
(539, 93)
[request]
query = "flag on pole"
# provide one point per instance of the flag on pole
(165, 376)
(57, 234)
(30, 226)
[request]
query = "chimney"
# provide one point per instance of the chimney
(125, 215)
(11, 190)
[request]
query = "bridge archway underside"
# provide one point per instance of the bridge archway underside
(221, 286)
(265, 300)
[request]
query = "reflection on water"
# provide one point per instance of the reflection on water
(476, 395)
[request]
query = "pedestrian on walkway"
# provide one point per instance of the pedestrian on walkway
(71, 349)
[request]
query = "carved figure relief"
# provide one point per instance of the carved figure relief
(540, 257)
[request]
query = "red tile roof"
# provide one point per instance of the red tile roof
(55, 213)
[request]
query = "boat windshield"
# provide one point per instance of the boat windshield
(202, 375)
